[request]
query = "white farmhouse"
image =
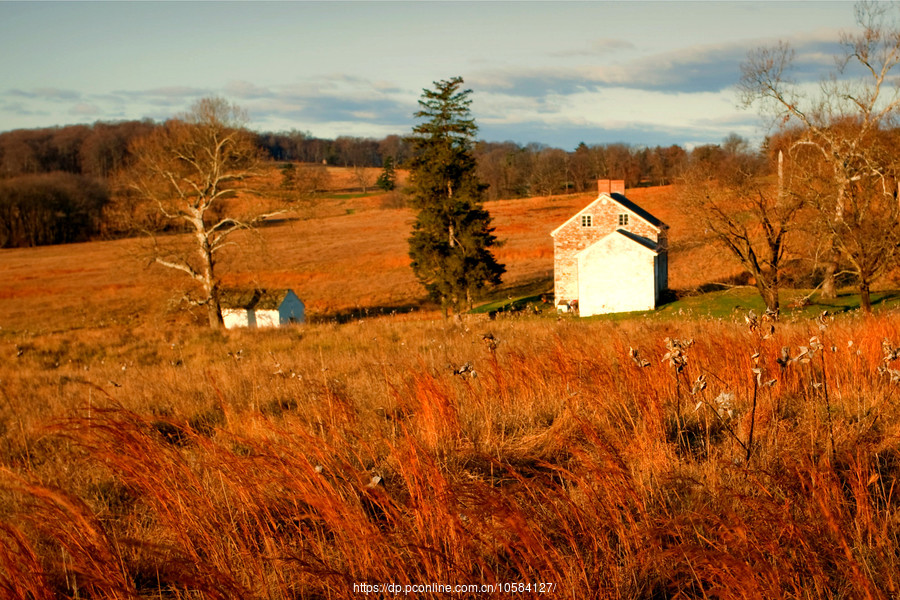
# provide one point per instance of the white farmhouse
(261, 308)
(611, 256)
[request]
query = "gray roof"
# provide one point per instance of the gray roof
(647, 243)
(638, 210)
(252, 299)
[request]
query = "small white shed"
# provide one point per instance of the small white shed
(261, 308)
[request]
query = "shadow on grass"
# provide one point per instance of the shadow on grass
(848, 301)
(368, 312)
(535, 294)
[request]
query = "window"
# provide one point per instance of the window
(586, 220)
(623, 220)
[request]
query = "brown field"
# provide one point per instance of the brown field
(144, 457)
(340, 256)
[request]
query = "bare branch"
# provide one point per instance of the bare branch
(179, 266)
(187, 169)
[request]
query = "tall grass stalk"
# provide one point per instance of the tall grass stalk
(294, 464)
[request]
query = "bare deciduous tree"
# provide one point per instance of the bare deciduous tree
(364, 176)
(302, 183)
(548, 170)
(739, 201)
(866, 228)
(843, 126)
(189, 170)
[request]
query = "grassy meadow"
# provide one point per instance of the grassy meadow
(681, 455)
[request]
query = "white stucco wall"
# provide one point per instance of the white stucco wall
(616, 275)
(235, 317)
(240, 317)
(266, 318)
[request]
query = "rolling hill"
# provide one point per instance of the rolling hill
(144, 456)
(347, 253)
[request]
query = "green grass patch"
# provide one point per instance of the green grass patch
(719, 304)
(716, 304)
(737, 300)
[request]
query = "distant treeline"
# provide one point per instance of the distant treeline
(53, 182)
(101, 149)
(510, 170)
(93, 150)
(514, 171)
(50, 208)
(39, 205)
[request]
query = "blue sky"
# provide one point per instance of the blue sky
(653, 73)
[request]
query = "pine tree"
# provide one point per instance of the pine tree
(387, 181)
(452, 236)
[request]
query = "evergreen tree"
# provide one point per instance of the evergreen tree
(452, 236)
(387, 181)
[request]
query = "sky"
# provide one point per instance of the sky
(557, 73)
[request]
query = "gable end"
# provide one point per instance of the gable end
(640, 243)
(623, 202)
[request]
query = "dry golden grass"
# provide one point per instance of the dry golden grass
(338, 178)
(150, 462)
(345, 255)
(143, 457)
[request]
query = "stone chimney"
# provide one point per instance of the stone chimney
(611, 186)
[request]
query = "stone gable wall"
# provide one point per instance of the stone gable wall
(573, 238)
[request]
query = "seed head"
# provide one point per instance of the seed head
(699, 385)
(723, 405)
(675, 355)
(752, 320)
(636, 357)
(490, 341)
(785, 359)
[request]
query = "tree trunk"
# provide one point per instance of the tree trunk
(865, 298)
(214, 314)
(210, 284)
(769, 296)
(828, 286)
(213, 307)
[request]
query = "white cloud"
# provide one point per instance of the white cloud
(47, 93)
(245, 90)
(597, 47)
(85, 109)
